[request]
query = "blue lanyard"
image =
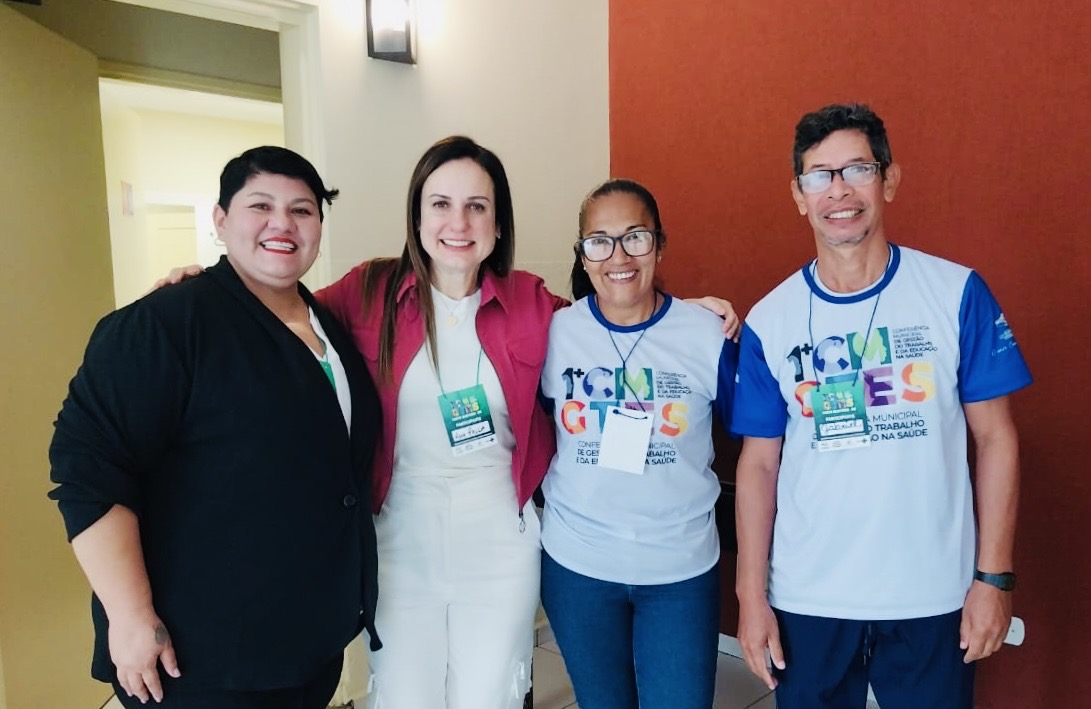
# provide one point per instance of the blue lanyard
(625, 359)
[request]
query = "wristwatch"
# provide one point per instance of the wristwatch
(1004, 581)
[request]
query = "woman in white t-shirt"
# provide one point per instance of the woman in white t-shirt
(630, 547)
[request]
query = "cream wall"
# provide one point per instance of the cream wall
(526, 79)
(56, 285)
(120, 126)
(170, 159)
(184, 154)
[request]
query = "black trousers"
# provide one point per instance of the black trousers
(316, 694)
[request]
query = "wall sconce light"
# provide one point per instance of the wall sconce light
(390, 30)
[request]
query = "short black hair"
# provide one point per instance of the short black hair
(815, 127)
(272, 160)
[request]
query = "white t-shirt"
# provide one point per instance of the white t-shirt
(884, 531)
(657, 527)
(340, 379)
(421, 438)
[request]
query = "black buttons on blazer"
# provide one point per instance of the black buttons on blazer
(349, 501)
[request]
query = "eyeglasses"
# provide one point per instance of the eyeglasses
(858, 174)
(600, 248)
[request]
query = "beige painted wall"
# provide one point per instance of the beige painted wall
(56, 286)
(185, 154)
(526, 79)
(3, 689)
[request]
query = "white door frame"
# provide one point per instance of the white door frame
(296, 21)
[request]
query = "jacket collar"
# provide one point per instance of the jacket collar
(225, 274)
(493, 287)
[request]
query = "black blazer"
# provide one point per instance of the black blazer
(196, 408)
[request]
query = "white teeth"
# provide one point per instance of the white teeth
(456, 242)
(621, 276)
(279, 246)
(843, 214)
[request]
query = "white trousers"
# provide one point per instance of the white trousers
(458, 591)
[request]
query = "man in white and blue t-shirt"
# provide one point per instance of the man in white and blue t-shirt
(858, 376)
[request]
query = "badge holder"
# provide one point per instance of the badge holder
(625, 438)
(840, 417)
(466, 417)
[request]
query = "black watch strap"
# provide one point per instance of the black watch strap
(1004, 581)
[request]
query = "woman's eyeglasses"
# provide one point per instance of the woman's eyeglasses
(639, 242)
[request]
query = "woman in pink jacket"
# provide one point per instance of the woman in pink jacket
(455, 339)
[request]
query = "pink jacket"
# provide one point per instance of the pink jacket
(513, 326)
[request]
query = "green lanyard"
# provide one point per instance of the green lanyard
(325, 362)
(477, 380)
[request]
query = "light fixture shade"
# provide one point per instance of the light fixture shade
(390, 30)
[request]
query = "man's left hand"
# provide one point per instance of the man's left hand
(985, 620)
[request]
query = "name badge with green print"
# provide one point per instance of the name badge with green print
(468, 420)
(840, 417)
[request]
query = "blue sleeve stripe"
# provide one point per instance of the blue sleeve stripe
(760, 410)
(725, 383)
(990, 361)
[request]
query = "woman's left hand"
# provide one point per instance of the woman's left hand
(724, 309)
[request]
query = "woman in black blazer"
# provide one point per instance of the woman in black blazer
(212, 463)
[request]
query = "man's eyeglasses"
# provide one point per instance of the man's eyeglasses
(600, 248)
(858, 174)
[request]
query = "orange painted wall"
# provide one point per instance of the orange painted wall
(988, 105)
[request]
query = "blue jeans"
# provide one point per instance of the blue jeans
(625, 646)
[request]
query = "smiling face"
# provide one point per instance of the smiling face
(272, 231)
(844, 215)
(622, 283)
(458, 218)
